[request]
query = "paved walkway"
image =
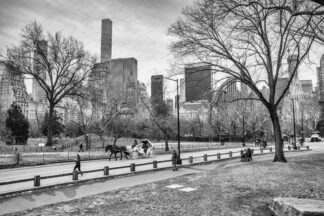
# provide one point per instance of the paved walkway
(52, 196)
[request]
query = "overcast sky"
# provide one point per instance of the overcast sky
(139, 28)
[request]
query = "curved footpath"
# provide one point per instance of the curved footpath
(52, 196)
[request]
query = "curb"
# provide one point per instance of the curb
(104, 178)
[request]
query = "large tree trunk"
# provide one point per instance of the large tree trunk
(279, 153)
(166, 138)
(50, 125)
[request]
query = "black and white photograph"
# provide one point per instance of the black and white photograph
(162, 107)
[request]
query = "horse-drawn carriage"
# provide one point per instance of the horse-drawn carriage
(143, 150)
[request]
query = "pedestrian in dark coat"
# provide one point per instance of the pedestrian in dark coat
(81, 148)
(78, 164)
(174, 160)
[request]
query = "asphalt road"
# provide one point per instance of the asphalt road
(54, 169)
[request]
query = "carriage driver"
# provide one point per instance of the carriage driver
(134, 144)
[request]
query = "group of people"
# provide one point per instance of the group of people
(143, 148)
(175, 160)
(247, 155)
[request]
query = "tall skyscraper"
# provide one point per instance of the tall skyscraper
(115, 76)
(292, 64)
(106, 39)
(38, 93)
(320, 84)
(156, 90)
(123, 78)
(12, 88)
(197, 83)
(320, 78)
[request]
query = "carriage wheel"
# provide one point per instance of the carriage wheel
(134, 155)
(152, 153)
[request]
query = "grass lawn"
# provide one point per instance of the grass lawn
(240, 190)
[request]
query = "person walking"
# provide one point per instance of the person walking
(81, 148)
(174, 160)
(78, 164)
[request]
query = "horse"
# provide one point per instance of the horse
(115, 149)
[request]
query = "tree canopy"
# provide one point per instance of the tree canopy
(17, 123)
(248, 42)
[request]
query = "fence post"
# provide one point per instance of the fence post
(289, 148)
(298, 147)
(75, 175)
(261, 150)
(36, 181)
(230, 154)
(106, 170)
(155, 164)
(218, 155)
(205, 157)
(307, 147)
(132, 167)
(190, 159)
(68, 155)
(270, 149)
(43, 158)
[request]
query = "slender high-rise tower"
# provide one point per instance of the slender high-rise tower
(106, 39)
(320, 85)
(39, 94)
(156, 90)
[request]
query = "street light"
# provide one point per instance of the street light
(178, 118)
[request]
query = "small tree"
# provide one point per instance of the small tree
(17, 123)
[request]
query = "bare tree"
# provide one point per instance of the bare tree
(162, 119)
(122, 126)
(248, 41)
(59, 65)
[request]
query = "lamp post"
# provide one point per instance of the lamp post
(178, 116)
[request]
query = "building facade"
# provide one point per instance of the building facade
(12, 89)
(307, 86)
(198, 81)
(320, 85)
(156, 90)
(38, 93)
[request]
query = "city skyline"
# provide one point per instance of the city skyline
(139, 27)
(139, 30)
